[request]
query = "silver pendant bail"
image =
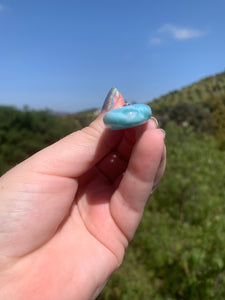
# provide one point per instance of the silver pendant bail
(126, 103)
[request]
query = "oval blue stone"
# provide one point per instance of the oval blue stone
(127, 116)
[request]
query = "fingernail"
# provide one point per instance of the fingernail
(163, 131)
(110, 100)
(155, 120)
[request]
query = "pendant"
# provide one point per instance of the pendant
(127, 116)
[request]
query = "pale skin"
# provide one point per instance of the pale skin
(68, 212)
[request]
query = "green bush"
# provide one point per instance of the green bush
(22, 133)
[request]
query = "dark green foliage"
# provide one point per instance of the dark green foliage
(218, 116)
(201, 105)
(23, 133)
(197, 115)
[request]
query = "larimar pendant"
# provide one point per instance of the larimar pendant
(127, 116)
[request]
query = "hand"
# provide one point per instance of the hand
(68, 212)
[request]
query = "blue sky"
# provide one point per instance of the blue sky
(66, 55)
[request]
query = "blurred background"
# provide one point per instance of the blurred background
(58, 59)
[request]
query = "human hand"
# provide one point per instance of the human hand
(68, 212)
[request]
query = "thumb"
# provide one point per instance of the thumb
(76, 153)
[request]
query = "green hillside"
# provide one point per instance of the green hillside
(178, 251)
(198, 92)
(201, 105)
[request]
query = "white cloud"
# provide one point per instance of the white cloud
(181, 33)
(169, 31)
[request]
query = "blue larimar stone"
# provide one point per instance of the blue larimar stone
(127, 116)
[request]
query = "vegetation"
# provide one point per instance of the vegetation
(178, 251)
(25, 132)
(201, 105)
